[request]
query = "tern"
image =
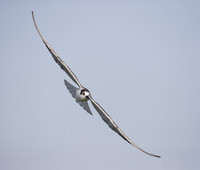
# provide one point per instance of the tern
(82, 94)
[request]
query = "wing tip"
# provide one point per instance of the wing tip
(157, 156)
(32, 13)
(90, 113)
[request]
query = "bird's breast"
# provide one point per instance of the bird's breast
(80, 97)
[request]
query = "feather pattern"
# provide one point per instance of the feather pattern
(73, 90)
(106, 118)
(57, 59)
(85, 106)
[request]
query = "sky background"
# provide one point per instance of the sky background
(139, 59)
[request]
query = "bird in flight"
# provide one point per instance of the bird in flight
(82, 94)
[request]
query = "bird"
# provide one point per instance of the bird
(82, 95)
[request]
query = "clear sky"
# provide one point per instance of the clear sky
(139, 59)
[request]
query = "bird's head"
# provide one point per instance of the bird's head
(85, 92)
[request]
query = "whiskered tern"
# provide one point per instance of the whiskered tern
(82, 95)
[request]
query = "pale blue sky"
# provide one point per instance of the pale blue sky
(139, 59)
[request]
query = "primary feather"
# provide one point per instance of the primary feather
(106, 118)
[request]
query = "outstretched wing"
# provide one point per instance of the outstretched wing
(85, 106)
(113, 125)
(57, 59)
(71, 88)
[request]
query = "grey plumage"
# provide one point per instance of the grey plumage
(82, 95)
(73, 90)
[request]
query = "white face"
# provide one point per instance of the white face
(85, 93)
